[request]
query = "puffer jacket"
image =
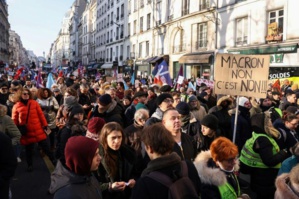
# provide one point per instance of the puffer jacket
(36, 121)
(67, 184)
(8, 127)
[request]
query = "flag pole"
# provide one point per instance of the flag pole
(236, 119)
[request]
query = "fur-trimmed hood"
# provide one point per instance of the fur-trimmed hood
(210, 175)
(282, 188)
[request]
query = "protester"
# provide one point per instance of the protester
(8, 165)
(94, 128)
(158, 145)
(75, 178)
(216, 169)
(116, 171)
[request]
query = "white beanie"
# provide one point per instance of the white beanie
(242, 101)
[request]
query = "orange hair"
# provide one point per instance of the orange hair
(223, 149)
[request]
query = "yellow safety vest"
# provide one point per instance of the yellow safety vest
(228, 192)
(253, 159)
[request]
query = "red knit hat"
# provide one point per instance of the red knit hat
(79, 153)
(95, 125)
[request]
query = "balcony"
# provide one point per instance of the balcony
(170, 17)
(201, 44)
(158, 22)
(185, 12)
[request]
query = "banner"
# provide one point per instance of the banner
(207, 82)
(244, 75)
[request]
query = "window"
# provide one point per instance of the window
(129, 28)
(122, 11)
(117, 13)
(135, 5)
(204, 4)
(134, 28)
(148, 25)
(129, 7)
(141, 3)
(147, 49)
(141, 24)
(158, 13)
(277, 16)
(128, 52)
(241, 31)
(202, 35)
(185, 7)
(140, 49)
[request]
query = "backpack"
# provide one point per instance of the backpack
(182, 188)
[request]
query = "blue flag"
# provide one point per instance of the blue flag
(50, 81)
(163, 73)
(133, 79)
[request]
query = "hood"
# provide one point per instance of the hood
(283, 189)
(158, 114)
(210, 175)
(62, 177)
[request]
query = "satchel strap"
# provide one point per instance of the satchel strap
(28, 113)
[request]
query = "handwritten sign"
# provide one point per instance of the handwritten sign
(207, 82)
(244, 75)
(180, 80)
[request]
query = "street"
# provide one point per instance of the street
(35, 184)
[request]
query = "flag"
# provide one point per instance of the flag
(18, 73)
(133, 79)
(50, 81)
(98, 76)
(125, 84)
(60, 73)
(39, 79)
(190, 85)
(276, 85)
(161, 74)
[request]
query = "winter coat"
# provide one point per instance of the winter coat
(187, 150)
(243, 129)
(199, 112)
(148, 188)
(8, 163)
(288, 164)
(288, 138)
(152, 104)
(212, 177)
(8, 127)
(115, 113)
(262, 179)
(67, 184)
(85, 99)
(36, 121)
(126, 158)
(50, 107)
(283, 189)
(155, 118)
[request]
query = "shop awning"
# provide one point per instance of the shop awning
(195, 58)
(148, 60)
(107, 66)
(266, 49)
(155, 59)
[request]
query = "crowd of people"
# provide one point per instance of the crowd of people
(110, 140)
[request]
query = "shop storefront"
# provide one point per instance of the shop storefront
(284, 59)
(196, 65)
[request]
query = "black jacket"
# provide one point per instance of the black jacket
(148, 188)
(189, 148)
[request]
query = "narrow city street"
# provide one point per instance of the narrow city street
(35, 184)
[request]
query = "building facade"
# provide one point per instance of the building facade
(4, 33)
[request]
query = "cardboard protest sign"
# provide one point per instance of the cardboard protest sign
(244, 75)
(180, 79)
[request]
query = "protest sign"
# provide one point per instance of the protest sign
(180, 79)
(207, 82)
(244, 75)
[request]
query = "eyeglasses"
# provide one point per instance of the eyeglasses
(168, 101)
(231, 160)
(25, 93)
(4, 88)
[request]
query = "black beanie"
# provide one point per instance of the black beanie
(162, 97)
(105, 99)
(183, 108)
(77, 109)
(210, 121)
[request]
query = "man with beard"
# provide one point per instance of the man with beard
(183, 146)
(164, 102)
